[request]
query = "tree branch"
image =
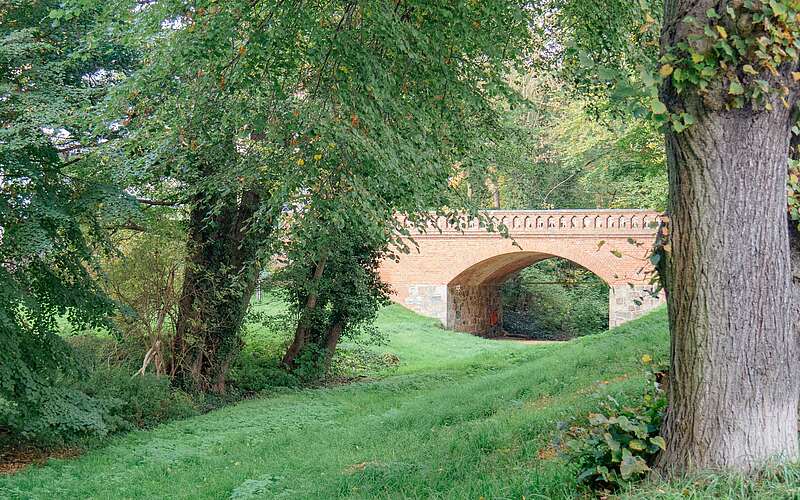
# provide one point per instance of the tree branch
(160, 203)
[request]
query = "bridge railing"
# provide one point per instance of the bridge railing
(521, 222)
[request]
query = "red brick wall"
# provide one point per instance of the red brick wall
(616, 251)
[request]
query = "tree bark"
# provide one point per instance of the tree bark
(794, 249)
(733, 388)
(303, 323)
(331, 341)
(794, 255)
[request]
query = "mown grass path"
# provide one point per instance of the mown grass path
(461, 417)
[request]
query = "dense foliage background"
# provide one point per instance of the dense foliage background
(160, 160)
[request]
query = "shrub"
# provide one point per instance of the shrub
(257, 366)
(39, 405)
(253, 372)
(96, 397)
(92, 352)
(108, 366)
(103, 402)
(527, 325)
(58, 415)
(618, 444)
(554, 300)
(357, 361)
(141, 401)
(144, 279)
(7, 409)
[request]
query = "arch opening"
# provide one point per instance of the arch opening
(554, 299)
(474, 298)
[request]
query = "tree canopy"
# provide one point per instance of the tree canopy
(296, 146)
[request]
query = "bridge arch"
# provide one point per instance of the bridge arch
(474, 302)
(496, 269)
(455, 274)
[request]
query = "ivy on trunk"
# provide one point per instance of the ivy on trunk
(219, 281)
(733, 393)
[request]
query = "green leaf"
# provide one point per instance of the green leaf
(625, 424)
(612, 443)
(637, 445)
(778, 7)
(735, 88)
(658, 107)
(708, 72)
(659, 441)
(609, 74)
(574, 445)
(631, 465)
(586, 474)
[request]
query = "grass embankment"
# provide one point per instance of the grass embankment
(460, 417)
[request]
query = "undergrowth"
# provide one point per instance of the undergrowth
(457, 417)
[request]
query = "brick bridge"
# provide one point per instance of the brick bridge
(455, 275)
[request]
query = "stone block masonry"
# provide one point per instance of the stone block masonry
(626, 302)
(428, 300)
(475, 309)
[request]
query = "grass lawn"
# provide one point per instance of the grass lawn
(460, 417)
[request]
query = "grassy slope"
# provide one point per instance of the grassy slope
(462, 417)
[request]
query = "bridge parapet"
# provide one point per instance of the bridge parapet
(552, 222)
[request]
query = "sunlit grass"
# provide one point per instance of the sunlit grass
(461, 417)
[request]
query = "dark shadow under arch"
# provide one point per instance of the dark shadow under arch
(473, 297)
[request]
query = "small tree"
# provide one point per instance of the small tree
(332, 280)
(245, 109)
(145, 281)
(53, 210)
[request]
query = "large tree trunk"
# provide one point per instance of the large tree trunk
(331, 341)
(218, 284)
(734, 388)
(794, 246)
(301, 334)
(794, 256)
